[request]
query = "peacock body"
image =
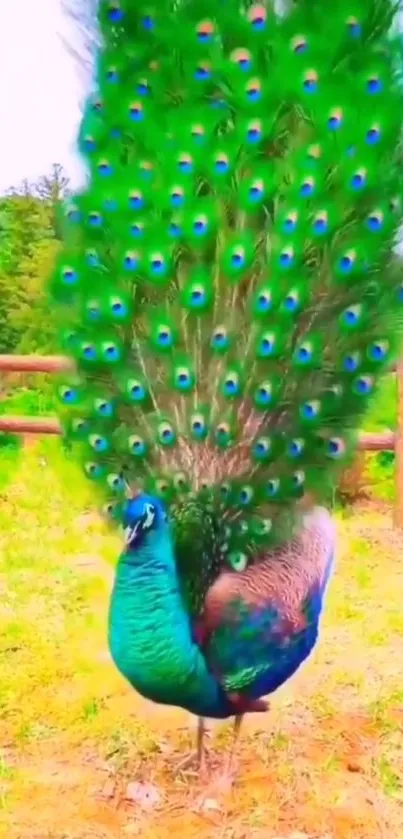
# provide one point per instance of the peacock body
(228, 295)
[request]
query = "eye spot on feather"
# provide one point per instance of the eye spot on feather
(272, 488)
(95, 219)
(351, 362)
(198, 426)
(264, 301)
(92, 258)
(115, 13)
(137, 446)
(263, 396)
(148, 23)
(287, 257)
(256, 191)
(304, 353)
(307, 187)
(137, 229)
(354, 27)
(177, 196)
(238, 561)
(314, 153)
(110, 351)
(296, 447)
(352, 315)
(231, 385)
(73, 214)
(164, 337)
(220, 338)
(223, 434)
(80, 427)
(257, 17)
(68, 395)
(245, 496)
(291, 303)
(310, 410)
(375, 220)
(89, 143)
(374, 84)
(335, 448)
(166, 434)
(238, 257)
(98, 443)
(225, 492)
(261, 449)
(373, 135)
(205, 31)
(94, 470)
(298, 479)
(363, 385)
(299, 44)
(200, 225)
(69, 276)
(112, 75)
(242, 57)
(135, 390)
(175, 230)
(221, 164)
(335, 119)
(203, 71)
(198, 133)
(378, 351)
(157, 264)
(136, 111)
(93, 310)
(359, 179)
(115, 482)
(267, 345)
(118, 308)
(143, 88)
(347, 261)
(310, 81)
(320, 223)
(136, 200)
(183, 379)
(130, 260)
(253, 90)
(290, 222)
(88, 352)
(103, 408)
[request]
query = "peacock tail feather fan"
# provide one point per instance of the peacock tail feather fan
(225, 282)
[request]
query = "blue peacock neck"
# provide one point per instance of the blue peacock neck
(150, 634)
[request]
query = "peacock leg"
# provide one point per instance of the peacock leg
(229, 763)
(199, 759)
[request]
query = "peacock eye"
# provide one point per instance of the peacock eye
(245, 495)
(68, 395)
(98, 443)
(88, 352)
(335, 447)
(69, 276)
(110, 351)
(198, 426)
(257, 16)
(272, 487)
(295, 447)
(115, 482)
(103, 408)
(261, 449)
(137, 446)
(299, 44)
(238, 560)
(136, 390)
(166, 434)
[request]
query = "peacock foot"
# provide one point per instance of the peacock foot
(193, 764)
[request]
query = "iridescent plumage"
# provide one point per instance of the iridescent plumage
(226, 295)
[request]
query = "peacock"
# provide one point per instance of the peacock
(227, 294)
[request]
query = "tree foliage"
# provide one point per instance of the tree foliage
(29, 241)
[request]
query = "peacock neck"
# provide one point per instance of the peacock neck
(150, 634)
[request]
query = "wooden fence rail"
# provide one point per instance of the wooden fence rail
(376, 442)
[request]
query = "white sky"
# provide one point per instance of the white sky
(40, 91)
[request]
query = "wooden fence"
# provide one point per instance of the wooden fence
(386, 441)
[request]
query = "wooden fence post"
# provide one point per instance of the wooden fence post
(398, 510)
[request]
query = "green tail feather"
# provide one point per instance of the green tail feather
(225, 281)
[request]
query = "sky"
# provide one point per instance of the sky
(41, 91)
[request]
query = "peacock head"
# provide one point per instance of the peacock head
(143, 516)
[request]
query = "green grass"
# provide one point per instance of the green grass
(326, 759)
